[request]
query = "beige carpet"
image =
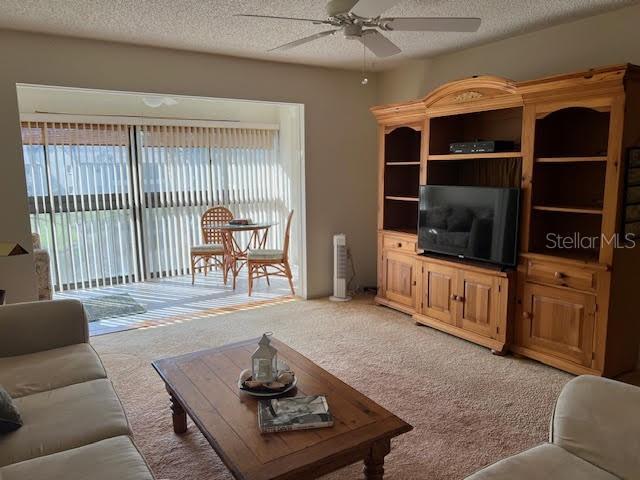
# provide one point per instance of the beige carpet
(469, 408)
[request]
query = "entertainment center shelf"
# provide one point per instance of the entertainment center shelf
(570, 159)
(547, 208)
(474, 156)
(402, 199)
(572, 131)
(570, 302)
(400, 174)
(499, 124)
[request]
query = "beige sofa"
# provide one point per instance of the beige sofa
(595, 435)
(74, 425)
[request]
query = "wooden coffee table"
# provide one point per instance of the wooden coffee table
(203, 385)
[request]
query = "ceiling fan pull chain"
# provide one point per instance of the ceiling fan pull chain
(364, 80)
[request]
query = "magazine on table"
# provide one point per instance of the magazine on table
(296, 413)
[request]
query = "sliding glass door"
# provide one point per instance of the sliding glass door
(184, 170)
(122, 203)
(79, 183)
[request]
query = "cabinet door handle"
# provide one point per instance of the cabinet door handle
(526, 315)
(559, 275)
(454, 297)
(399, 244)
(413, 283)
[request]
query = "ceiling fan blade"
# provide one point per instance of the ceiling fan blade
(426, 24)
(379, 45)
(304, 40)
(372, 8)
(317, 22)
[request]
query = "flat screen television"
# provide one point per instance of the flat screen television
(479, 223)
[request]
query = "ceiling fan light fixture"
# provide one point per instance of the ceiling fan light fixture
(155, 102)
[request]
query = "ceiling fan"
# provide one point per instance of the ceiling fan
(361, 20)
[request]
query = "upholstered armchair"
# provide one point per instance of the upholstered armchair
(595, 435)
(43, 269)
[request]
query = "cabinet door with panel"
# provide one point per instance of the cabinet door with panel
(438, 292)
(398, 277)
(558, 322)
(478, 298)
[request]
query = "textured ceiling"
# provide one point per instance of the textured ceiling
(209, 25)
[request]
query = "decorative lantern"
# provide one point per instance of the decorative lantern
(264, 361)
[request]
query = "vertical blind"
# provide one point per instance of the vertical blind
(122, 203)
(79, 187)
(186, 169)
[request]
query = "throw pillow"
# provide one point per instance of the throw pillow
(9, 417)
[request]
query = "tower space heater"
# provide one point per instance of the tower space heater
(340, 267)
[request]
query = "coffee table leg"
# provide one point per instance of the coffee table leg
(374, 461)
(178, 415)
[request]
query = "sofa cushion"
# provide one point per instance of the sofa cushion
(9, 417)
(38, 372)
(597, 419)
(114, 458)
(64, 418)
(542, 463)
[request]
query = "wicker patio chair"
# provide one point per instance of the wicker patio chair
(212, 253)
(268, 262)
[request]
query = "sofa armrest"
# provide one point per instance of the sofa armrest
(598, 420)
(35, 326)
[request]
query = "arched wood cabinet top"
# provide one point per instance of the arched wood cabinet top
(413, 126)
(489, 92)
(400, 114)
(603, 105)
(471, 94)
(477, 93)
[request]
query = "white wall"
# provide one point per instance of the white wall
(340, 139)
(597, 41)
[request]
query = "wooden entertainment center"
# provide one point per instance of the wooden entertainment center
(572, 304)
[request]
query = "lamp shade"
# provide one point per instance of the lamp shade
(9, 249)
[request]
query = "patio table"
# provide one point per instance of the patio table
(236, 249)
